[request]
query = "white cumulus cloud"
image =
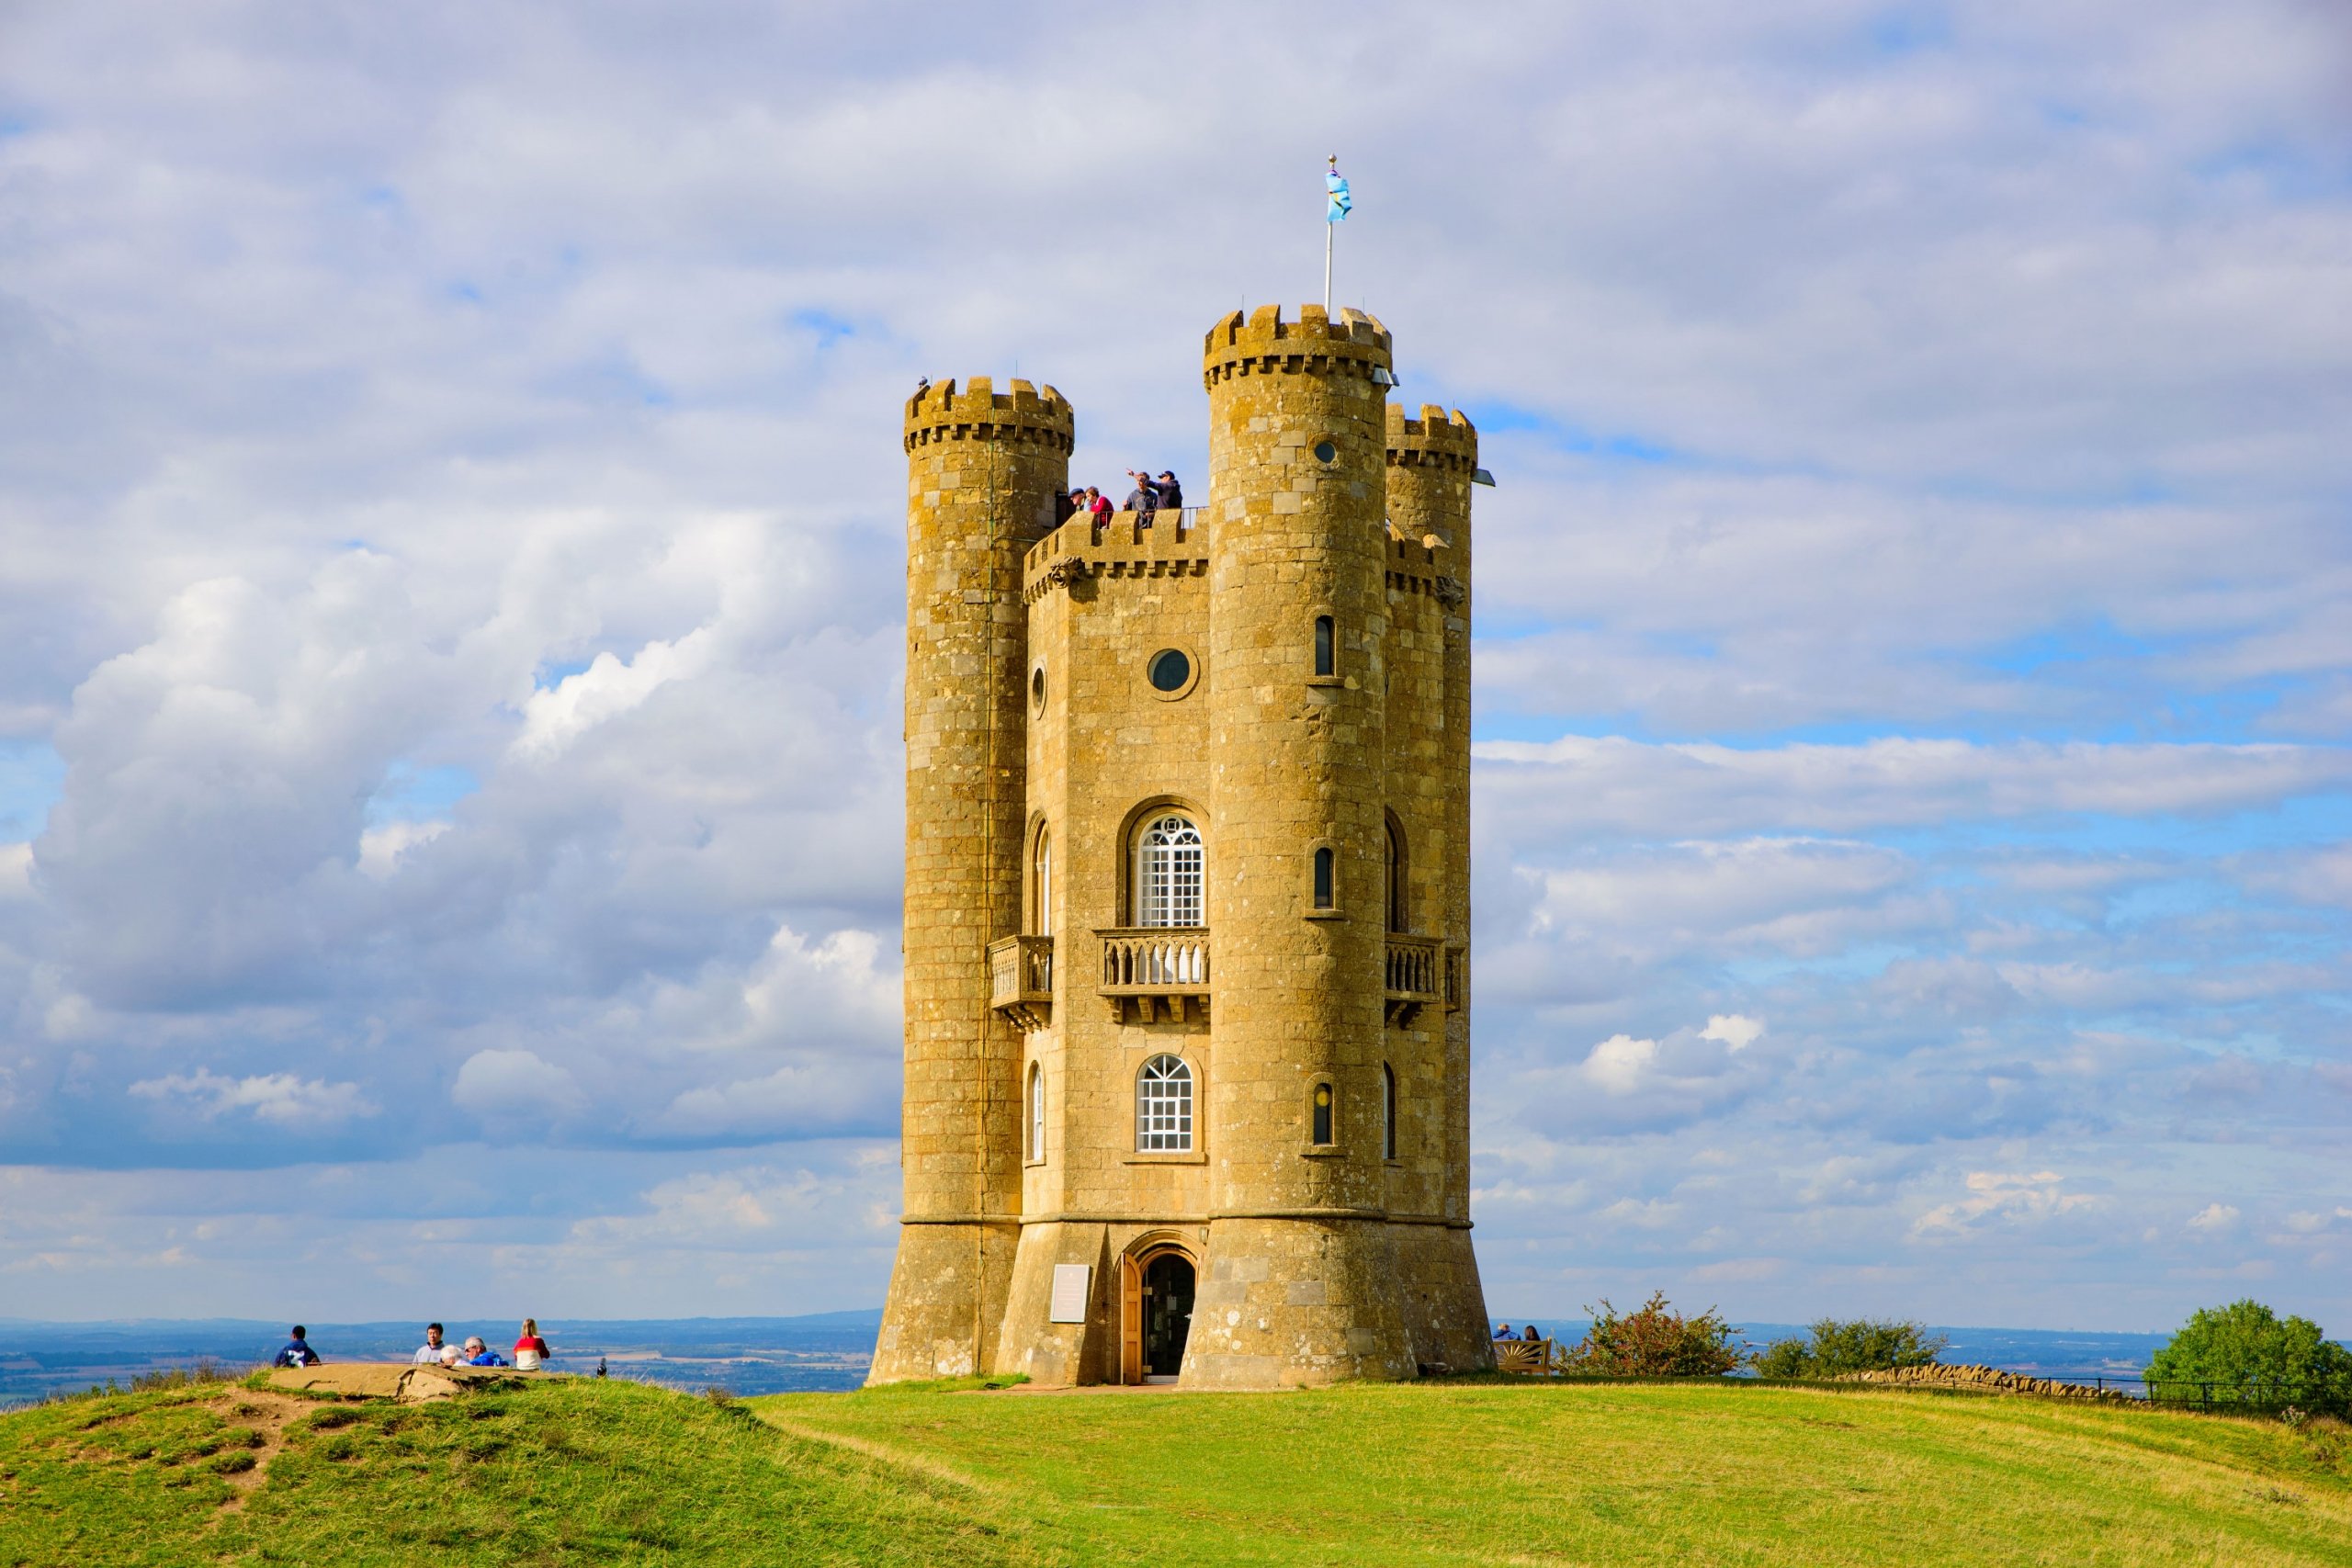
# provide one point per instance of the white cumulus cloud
(282, 1099)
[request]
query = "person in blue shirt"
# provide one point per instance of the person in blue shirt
(481, 1354)
(297, 1351)
(1503, 1331)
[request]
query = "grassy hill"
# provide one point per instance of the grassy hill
(578, 1471)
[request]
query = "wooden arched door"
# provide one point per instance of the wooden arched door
(1155, 1312)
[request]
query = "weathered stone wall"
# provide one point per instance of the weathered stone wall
(1105, 748)
(982, 471)
(1988, 1380)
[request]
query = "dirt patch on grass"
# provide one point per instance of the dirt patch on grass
(265, 1416)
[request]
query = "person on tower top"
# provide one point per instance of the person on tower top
(1171, 494)
(1143, 499)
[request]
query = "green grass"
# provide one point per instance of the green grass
(1615, 1473)
(570, 1471)
(578, 1472)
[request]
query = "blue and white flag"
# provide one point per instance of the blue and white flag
(1337, 185)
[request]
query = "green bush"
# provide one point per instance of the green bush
(2245, 1353)
(1864, 1345)
(1656, 1342)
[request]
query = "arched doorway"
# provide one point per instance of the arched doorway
(1157, 1310)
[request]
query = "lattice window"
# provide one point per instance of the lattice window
(1169, 873)
(1164, 1107)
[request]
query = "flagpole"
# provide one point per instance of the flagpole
(1328, 227)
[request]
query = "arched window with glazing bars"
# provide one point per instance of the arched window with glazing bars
(1169, 869)
(1164, 1107)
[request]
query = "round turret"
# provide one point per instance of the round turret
(1296, 688)
(984, 470)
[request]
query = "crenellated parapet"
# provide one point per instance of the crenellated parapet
(1260, 343)
(980, 413)
(1437, 439)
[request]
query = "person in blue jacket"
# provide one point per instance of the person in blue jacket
(297, 1351)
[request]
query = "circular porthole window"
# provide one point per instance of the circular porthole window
(1170, 671)
(1324, 452)
(1037, 688)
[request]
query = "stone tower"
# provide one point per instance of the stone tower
(983, 473)
(1188, 890)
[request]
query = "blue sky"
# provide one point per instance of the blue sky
(450, 559)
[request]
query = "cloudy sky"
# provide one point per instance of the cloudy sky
(450, 573)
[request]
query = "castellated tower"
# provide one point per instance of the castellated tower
(1188, 890)
(983, 472)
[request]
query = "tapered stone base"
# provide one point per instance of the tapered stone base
(1061, 1355)
(1445, 1305)
(1291, 1303)
(947, 1297)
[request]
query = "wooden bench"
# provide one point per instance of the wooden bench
(1529, 1356)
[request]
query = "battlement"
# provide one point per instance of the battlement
(1262, 342)
(980, 413)
(1437, 437)
(1177, 545)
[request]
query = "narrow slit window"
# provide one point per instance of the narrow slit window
(1041, 894)
(1322, 1118)
(1395, 842)
(1037, 1111)
(1323, 879)
(1326, 652)
(1387, 1111)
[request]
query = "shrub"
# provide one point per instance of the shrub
(2246, 1352)
(1864, 1344)
(1656, 1342)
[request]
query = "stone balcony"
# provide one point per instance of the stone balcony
(1020, 970)
(1416, 976)
(1151, 972)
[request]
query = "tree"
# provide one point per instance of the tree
(1864, 1345)
(2245, 1351)
(1656, 1342)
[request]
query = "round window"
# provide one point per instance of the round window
(1169, 669)
(1326, 453)
(1037, 688)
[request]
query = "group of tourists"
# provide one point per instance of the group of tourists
(1150, 495)
(531, 1351)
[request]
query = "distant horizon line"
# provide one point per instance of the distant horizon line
(844, 1315)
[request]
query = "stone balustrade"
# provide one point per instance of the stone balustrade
(1151, 971)
(1020, 971)
(1415, 976)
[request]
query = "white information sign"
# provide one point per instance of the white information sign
(1071, 1282)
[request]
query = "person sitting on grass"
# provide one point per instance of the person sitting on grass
(297, 1351)
(481, 1354)
(530, 1350)
(430, 1351)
